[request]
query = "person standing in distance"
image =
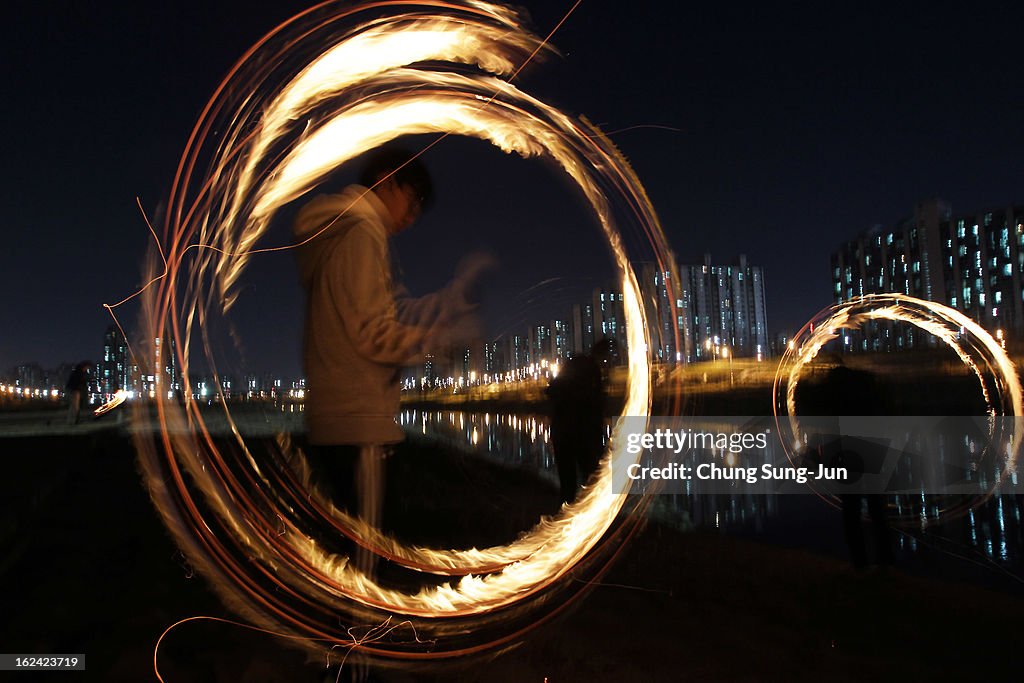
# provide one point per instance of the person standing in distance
(78, 390)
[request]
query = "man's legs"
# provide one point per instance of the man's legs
(334, 472)
(370, 492)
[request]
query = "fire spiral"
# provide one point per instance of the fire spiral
(983, 355)
(322, 88)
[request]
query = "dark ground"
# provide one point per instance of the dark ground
(87, 567)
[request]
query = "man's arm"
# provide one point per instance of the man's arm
(360, 284)
(448, 308)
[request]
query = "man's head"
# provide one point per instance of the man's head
(402, 183)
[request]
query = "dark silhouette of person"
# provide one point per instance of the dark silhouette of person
(577, 417)
(849, 392)
(78, 388)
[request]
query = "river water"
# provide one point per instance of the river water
(984, 545)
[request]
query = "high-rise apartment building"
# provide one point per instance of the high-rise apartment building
(723, 309)
(662, 294)
(970, 262)
(609, 316)
(115, 370)
(540, 343)
(581, 327)
(518, 352)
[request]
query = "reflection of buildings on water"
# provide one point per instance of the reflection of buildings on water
(942, 471)
(723, 511)
(993, 529)
(525, 441)
(513, 440)
(990, 538)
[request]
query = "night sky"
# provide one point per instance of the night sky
(775, 133)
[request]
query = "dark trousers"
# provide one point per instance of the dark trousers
(353, 477)
(334, 472)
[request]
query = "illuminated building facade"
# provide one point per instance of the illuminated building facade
(582, 327)
(540, 343)
(723, 310)
(561, 343)
(970, 262)
(663, 299)
(609, 316)
(518, 352)
(115, 370)
(492, 358)
(164, 377)
(429, 374)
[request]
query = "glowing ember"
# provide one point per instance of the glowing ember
(117, 399)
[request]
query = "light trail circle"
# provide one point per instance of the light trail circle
(977, 349)
(263, 145)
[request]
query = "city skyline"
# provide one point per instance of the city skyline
(747, 141)
(714, 307)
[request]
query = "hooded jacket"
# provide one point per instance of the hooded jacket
(357, 337)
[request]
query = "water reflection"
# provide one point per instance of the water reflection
(990, 533)
(512, 440)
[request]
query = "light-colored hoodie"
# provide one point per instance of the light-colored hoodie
(357, 337)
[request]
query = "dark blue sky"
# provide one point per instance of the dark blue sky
(796, 129)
